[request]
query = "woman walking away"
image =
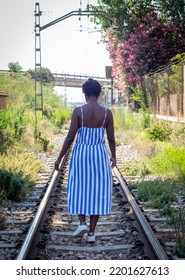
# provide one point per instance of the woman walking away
(90, 176)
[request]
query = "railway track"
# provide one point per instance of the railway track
(118, 235)
(41, 228)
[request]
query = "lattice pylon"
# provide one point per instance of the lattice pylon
(38, 64)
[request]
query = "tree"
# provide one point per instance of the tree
(142, 35)
(14, 67)
(173, 10)
(125, 13)
(47, 76)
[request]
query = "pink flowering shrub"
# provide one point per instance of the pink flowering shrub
(152, 43)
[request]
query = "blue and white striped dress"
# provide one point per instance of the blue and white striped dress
(90, 176)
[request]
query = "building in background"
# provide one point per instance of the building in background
(3, 100)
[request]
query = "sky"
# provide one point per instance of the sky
(64, 48)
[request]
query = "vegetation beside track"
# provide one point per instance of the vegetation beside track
(161, 144)
(22, 133)
(162, 161)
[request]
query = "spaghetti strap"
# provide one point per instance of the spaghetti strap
(104, 117)
(82, 116)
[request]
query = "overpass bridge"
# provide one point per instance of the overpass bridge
(75, 80)
(71, 80)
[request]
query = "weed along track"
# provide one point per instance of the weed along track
(41, 227)
(167, 229)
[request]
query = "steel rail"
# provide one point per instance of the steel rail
(154, 242)
(36, 221)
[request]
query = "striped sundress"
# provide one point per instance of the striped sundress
(90, 175)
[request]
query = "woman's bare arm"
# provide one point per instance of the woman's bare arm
(69, 138)
(111, 137)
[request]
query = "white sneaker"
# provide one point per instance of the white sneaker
(81, 230)
(90, 238)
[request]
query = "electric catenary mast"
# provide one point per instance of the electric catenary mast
(38, 57)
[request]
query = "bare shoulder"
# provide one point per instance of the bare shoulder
(109, 118)
(76, 111)
(109, 113)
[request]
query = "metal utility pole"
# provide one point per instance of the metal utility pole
(108, 73)
(38, 29)
(38, 65)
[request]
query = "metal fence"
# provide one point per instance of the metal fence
(165, 90)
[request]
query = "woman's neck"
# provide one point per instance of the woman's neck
(92, 99)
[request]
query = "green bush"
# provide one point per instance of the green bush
(145, 118)
(2, 220)
(12, 126)
(178, 220)
(180, 247)
(1, 197)
(60, 116)
(44, 142)
(13, 185)
(170, 161)
(135, 168)
(159, 131)
(125, 120)
(156, 193)
(178, 135)
(20, 163)
(167, 211)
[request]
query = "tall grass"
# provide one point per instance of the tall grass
(162, 155)
(12, 126)
(17, 161)
(23, 133)
(170, 161)
(157, 144)
(60, 116)
(156, 193)
(18, 173)
(167, 162)
(125, 120)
